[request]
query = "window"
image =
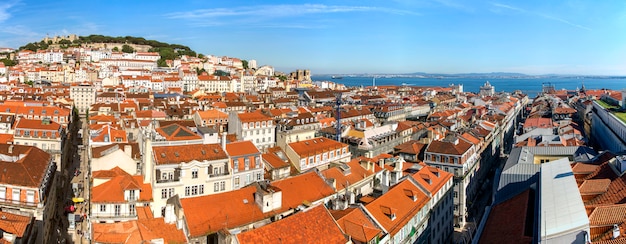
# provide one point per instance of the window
(26, 133)
(344, 150)
(311, 160)
(456, 194)
(251, 125)
(263, 123)
(194, 190)
(16, 194)
(258, 176)
(194, 173)
(257, 162)
(171, 192)
(187, 190)
(236, 181)
(201, 189)
(131, 207)
(258, 124)
(103, 208)
(117, 210)
(248, 179)
(235, 164)
(216, 186)
(223, 185)
(332, 154)
(246, 162)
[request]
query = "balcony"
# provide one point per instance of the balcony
(17, 204)
(159, 181)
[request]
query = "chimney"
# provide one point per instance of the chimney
(616, 232)
(128, 149)
(224, 141)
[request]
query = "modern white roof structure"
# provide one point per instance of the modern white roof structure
(563, 215)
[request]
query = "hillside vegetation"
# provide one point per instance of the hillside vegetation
(166, 50)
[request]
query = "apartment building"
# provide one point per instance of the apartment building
(116, 194)
(188, 171)
(253, 126)
(455, 155)
(43, 134)
(84, 95)
(246, 163)
(26, 181)
(317, 153)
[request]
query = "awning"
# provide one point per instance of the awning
(78, 199)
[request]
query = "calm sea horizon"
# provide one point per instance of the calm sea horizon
(530, 86)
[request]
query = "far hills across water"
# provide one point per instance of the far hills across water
(492, 75)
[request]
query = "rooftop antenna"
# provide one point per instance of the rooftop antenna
(338, 117)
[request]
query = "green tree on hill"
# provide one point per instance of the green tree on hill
(127, 49)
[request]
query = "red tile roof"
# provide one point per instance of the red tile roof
(187, 153)
(27, 168)
(253, 117)
(208, 214)
(14, 224)
(444, 147)
(112, 191)
(356, 224)
(241, 148)
(315, 146)
(142, 230)
(398, 201)
(37, 124)
(506, 222)
(357, 173)
(297, 189)
(314, 225)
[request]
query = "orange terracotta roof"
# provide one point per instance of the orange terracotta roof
(14, 224)
(431, 178)
(296, 190)
(28, 167)
(357, 173)
(142, 230)
(187, 153)
(314, 225)
(241, 148)
(212, 114)
(253, 117)
(6, 138)
(37, 124)
(505, 223)
(608, 215)
(448, 147)
(595, 186)
(208, 214)
(398, 201)
(112, 191)
(356, 224)
(274, 161)
(315, 146)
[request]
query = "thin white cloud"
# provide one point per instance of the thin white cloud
(454, 5)
(4, 10)
(277, 11)
(545, 16)
(564, 21)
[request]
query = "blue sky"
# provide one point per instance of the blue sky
(364, 36)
